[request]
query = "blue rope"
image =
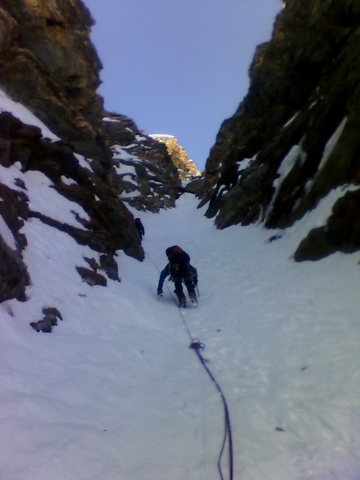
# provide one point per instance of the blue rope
(197, 346)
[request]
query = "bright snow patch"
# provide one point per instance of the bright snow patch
(329, 147)
(6, 234)
(23, 114)
(109, 119)
(83, 162)
(161, 135)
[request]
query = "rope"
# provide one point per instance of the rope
(197, 346)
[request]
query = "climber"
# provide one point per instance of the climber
(180, 270)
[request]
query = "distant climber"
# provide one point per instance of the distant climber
(180, 270)
(140, 228)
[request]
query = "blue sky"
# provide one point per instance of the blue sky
(179, 67)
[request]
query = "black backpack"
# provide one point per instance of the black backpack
(178, 262)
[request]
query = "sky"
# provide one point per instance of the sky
(179, 67)
(115, 392)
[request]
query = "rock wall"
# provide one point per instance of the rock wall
(146, 174)
(295, 137)
(108, 227)
(179, 157)
(48, 63)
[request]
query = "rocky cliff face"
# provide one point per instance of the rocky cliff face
(295, 137)
(48, 63)
(179, 157)
(147, 175)
(107, 227)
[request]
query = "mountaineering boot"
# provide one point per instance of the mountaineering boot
(182, 302)
(193, 299)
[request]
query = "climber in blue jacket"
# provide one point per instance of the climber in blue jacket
(180, 270)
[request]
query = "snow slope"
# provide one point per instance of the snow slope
(115, 392)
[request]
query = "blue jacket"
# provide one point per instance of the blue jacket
(166, 272)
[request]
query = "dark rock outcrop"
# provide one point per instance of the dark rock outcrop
(109, 266)
(295, 137)
(90, 277)
(342, 232)
(49, 321)
(14, 277)
(146, 175)
(110, 226)
(48, 63)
